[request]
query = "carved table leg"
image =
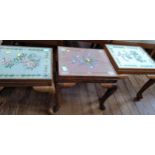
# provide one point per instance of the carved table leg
(108, 93)
(144, 88)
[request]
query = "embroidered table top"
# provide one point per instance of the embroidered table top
(84, 62)
(25, 62)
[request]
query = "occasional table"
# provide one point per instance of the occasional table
(79, 65)
(26, 66)
(132, 60)
(147, 85)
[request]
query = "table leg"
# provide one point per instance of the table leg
(144, 88)
(56, 98)
(53, 108)
(108, 93)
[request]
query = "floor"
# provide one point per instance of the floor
(81, 99)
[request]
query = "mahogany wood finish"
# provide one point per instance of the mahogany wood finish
(148, 84)
(108, 93)
(25, 83)
(109, 81)
(102, 100)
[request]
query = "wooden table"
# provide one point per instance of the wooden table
(148, 84)
(78, 65)
(132, 60)
(25, 66)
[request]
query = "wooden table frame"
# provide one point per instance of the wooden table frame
(148, 84)
(69, 81)
(112, 87)
(129, 70)
(31, 83)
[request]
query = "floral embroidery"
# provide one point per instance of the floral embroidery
(7, 62)
(88, 60)
(30, 61)
(25, 63)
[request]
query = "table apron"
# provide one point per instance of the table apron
(24, 83)
(85, 81)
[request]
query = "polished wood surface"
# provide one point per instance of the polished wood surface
(63, 58)
(77, 72)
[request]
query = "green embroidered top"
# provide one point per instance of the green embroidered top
(25, 62)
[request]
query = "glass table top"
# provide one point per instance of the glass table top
(25, 62)
(84, 62)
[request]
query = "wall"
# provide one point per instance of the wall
(145, 41)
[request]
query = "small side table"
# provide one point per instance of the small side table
(26, 67)
(79, 65)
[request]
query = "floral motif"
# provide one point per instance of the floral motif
(8, 63)
(29, 61)
(85, 60)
